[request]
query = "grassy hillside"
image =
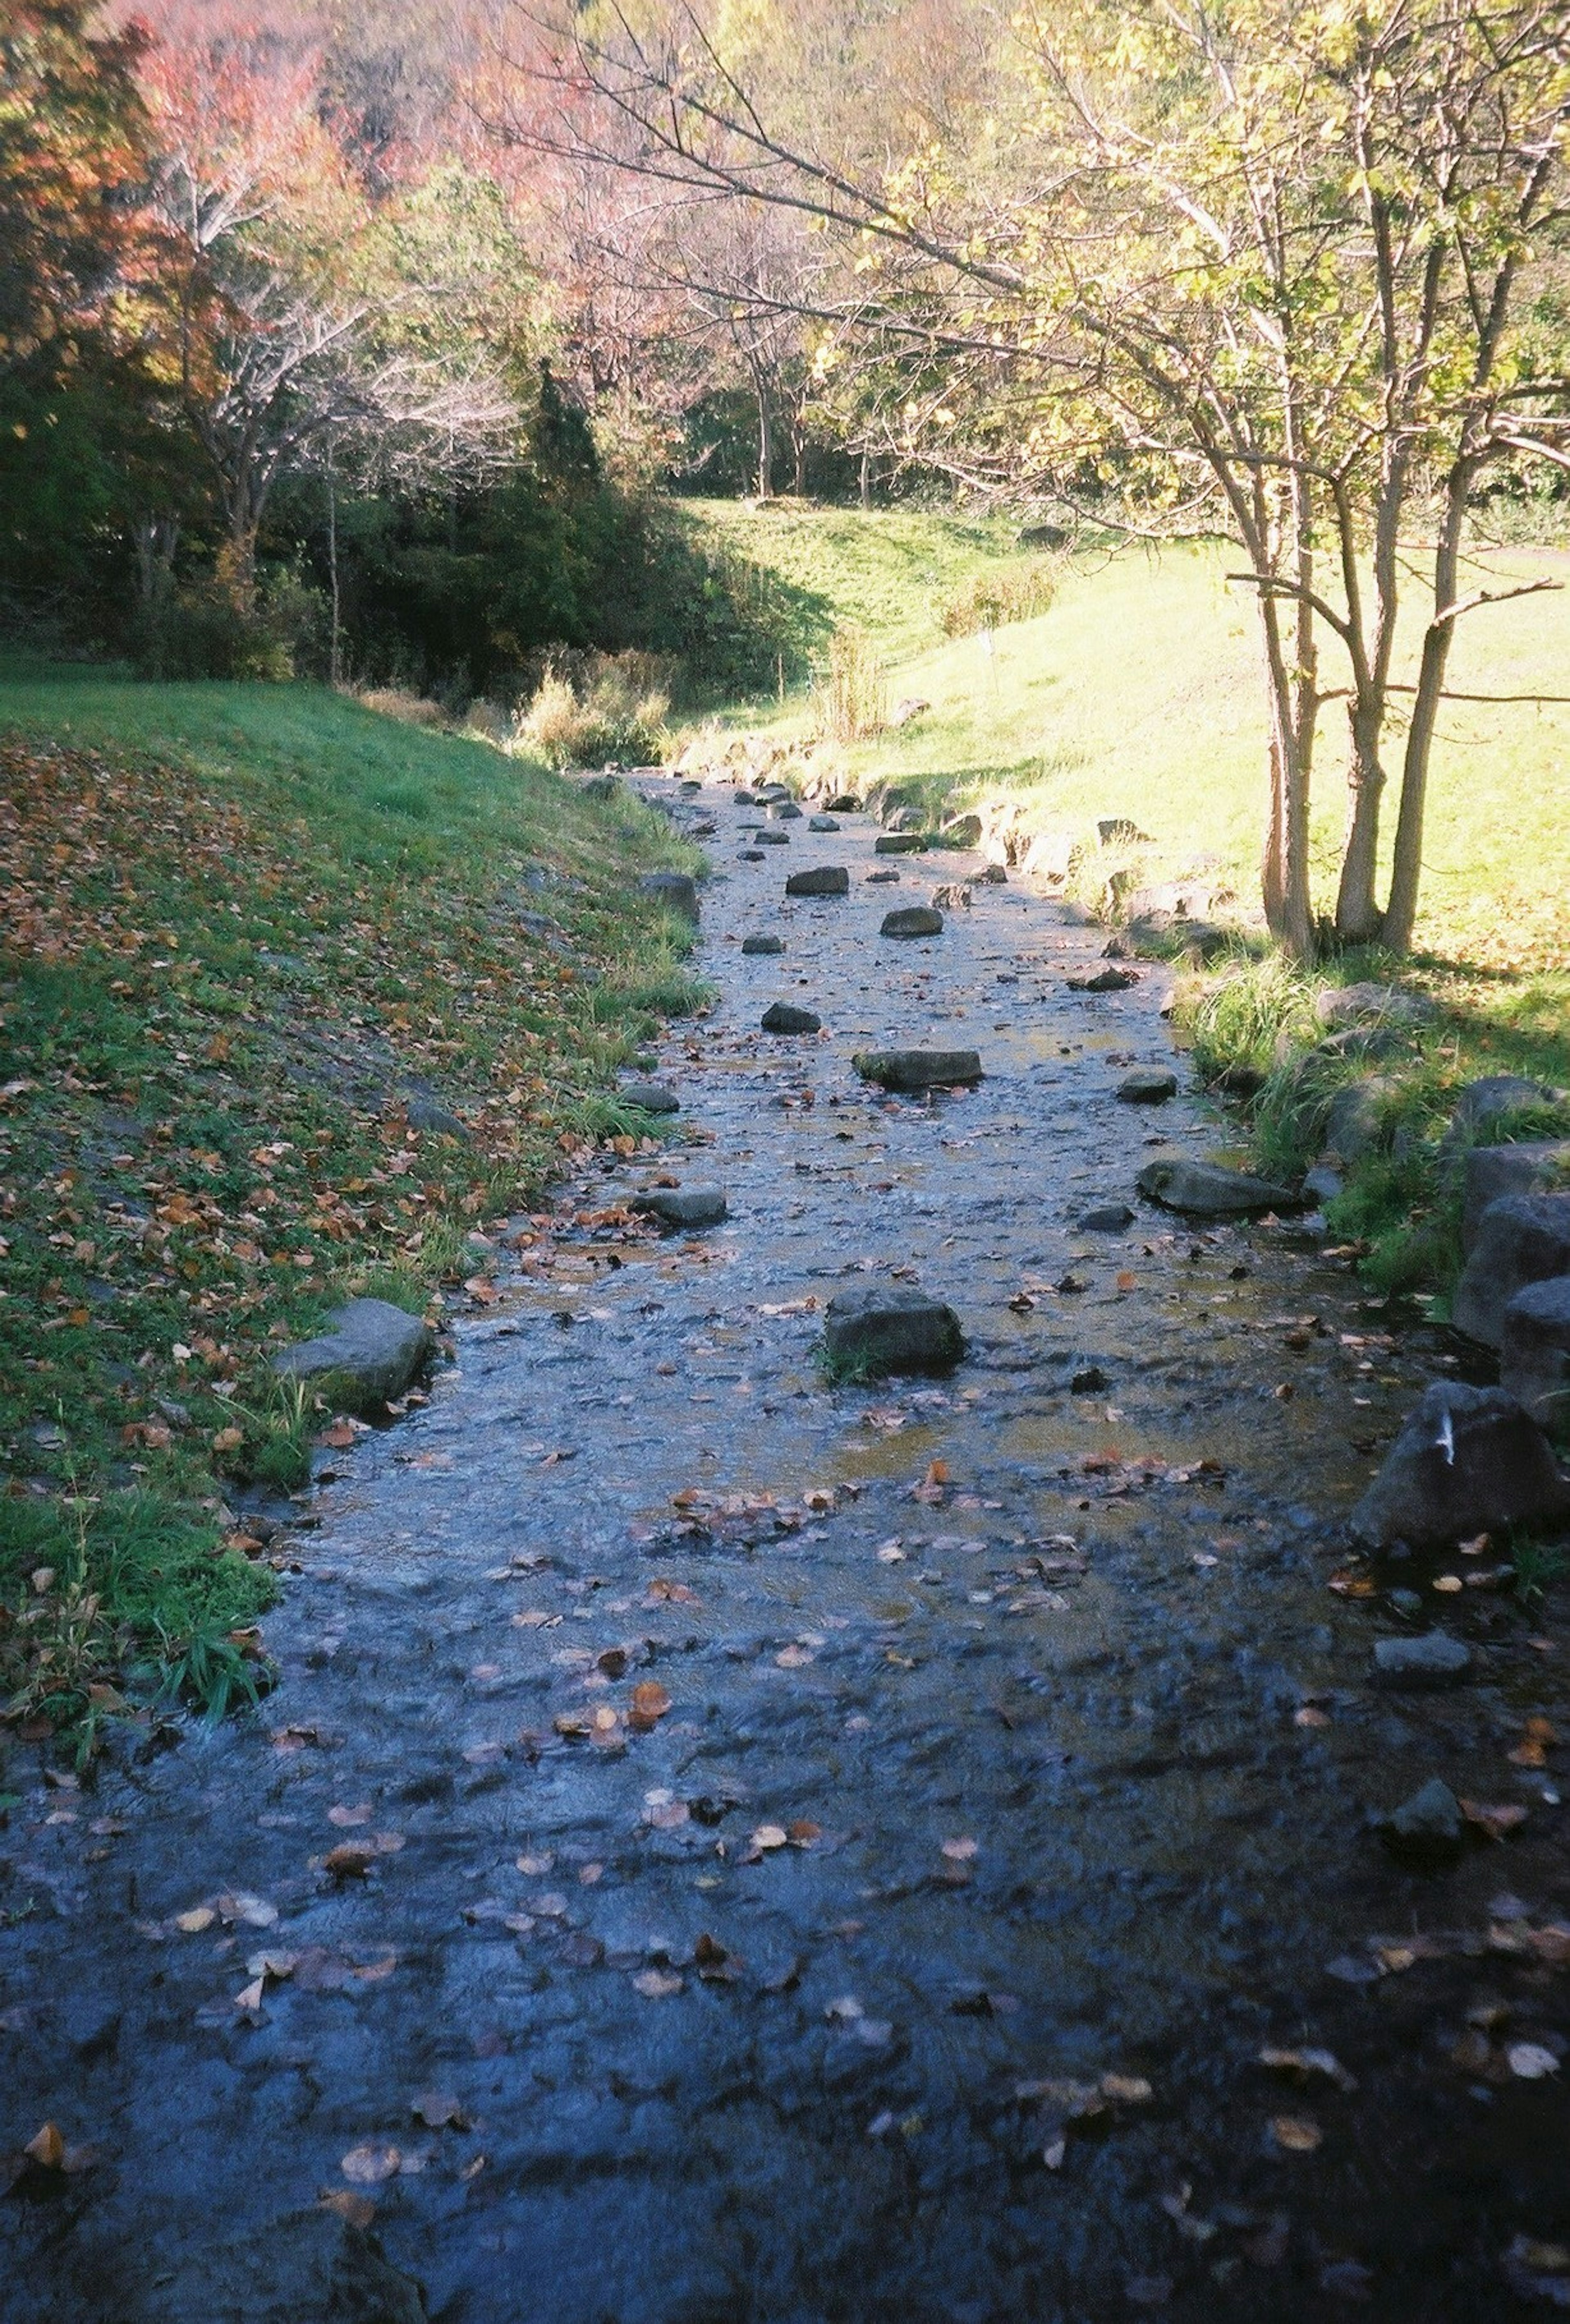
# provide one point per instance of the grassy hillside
(887, 571)
(1137, 695)
(293, 999)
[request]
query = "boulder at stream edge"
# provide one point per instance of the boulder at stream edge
(1521, 1238)
(1467, 1460)
(367, 1354)
(1210, 1190)
(674, 889)
(1535, 1357)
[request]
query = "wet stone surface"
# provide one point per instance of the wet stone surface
(726, 1847)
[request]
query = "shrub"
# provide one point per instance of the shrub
(609, 716)
(1005, 592)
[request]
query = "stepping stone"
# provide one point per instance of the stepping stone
(1521, 1238)
(880, 1328)
(844, 803)
(674, 889)
(1467, 1460)
(913, 921)
(1210, 1190)
(1428, 1828)
(1106, 980)
(652, 1097)
(367, 1354)
(1088, 1382)
(882, 878)
(823, 879)
(743, 798)
(784, 1016)
(899, 842)
(763, 944)
(774, 839)
(676, 1207)
(785, 811)
(1423, 1663)
(749, 856)
(918, 1069)
(1148, 1086)
(1107, 1217)
(822, 823)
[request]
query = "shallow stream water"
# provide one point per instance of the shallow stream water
(1015, 1742)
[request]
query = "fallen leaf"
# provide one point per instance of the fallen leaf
(1309, 2061)
(794, 1658)
(338, 1437)
(658, 1984)
(1530, 2062)
(47, 2148)
(1127, 2090)
(358, 2209)
(350, 1860)
(370, 2164)
(248, 2001)
(438, 2110)
(1495, 1820)
(347, 1817)
(1295, 2134)
(535, 1867)
(255, 1912)
(959, 1851)
(770, 1835)
(803, 1833)
(193, 1924)
(650, 1704)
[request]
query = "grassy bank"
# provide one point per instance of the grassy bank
(294, 998)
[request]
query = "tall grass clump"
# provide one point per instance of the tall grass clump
(608, 715)
(994, 597)
(852, 699)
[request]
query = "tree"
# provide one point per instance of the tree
(1249, 267)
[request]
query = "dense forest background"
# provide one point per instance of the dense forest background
(313, 362)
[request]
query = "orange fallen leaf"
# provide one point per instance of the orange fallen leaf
(650, 1704)
(959, 1851)
(338, 1437)
(1295, 2134)
(229, 1439)
(1495, 1820)
(46, 2147)
(358, 2209)
(657, 1984)
(1127, 1282)
(770, 1835)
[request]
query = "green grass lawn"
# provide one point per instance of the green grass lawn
(245, 925)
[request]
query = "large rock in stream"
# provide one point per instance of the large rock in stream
(785, 1016)
(1467, 1460)
(1521, 1238)
(1492, 1172)
(683, 1207)
(674, 889)
(369, 1353)
(912, 920)
(891, 1327)
(822, 880)
(907, 1070)
(1210, 1190)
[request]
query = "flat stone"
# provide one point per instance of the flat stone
(429, 1114)
(882, 878)
(1148, 1086)
(749, 856)
(1433, 1660)
(1492, 1172)
(822, 823)
(1521, 1238)
(784, 1016)
(1428, 1827)
(987, 875)
(822, 880)
(1210, 1190)
(743, 798)
(784, 810)
(367, 1355)
(676, 1207)
(1467, 1460)
(917, 1069)
(674, 889)
(769, 944)
(882, 1328)
(843, 803)
(1535, 1351)
(1349, 1004)
(774, 839)
(652, 1097)
(912, 920)
(1107, 1217)
(1103, 979)
(899, 842)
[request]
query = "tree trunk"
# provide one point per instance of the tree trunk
(1285, 868)
(1357, 913)
(1401, 910)
(866, 478)
(765, 437)
(334, 653)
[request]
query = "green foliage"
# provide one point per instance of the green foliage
(611, 718)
